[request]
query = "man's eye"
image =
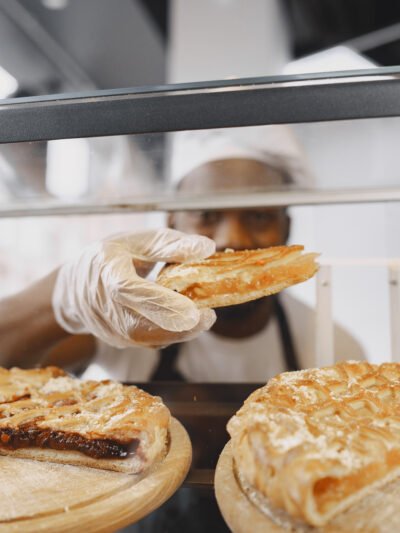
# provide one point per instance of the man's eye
(209, 217)
(259, 217)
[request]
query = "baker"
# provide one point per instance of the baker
(146, 332)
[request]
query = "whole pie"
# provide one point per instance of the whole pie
(235, 277)
(314, 442)
(49, 416)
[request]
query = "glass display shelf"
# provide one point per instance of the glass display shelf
(137, 117)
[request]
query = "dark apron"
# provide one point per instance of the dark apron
(166, 369)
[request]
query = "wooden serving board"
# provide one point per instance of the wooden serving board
(37, 496)
(377, 513)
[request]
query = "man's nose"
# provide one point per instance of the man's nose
(230, 233)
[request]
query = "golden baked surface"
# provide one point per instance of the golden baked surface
(234, 277)
(45, 408)
(316, 441)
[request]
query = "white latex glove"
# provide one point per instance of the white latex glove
(103, 291)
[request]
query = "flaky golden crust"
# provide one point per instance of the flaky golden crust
(235, 277)
(101, 424)
(17, 383)
(315, 442)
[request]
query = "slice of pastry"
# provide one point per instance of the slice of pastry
(49, 416)
(313, 443)
(235, 277)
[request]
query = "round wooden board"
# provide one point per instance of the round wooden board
(238, 512)
(37, 496)
(377, 513)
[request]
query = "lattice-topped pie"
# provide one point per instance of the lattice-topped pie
(312, 443)
(49, 416)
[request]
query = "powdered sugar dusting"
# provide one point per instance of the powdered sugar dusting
(61, 384)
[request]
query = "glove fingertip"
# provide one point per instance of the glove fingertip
(207, 318)
(195, 248)
(208, 247)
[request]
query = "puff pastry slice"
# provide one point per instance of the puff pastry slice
(235, 277)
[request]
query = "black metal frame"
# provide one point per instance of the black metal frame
(273, 100)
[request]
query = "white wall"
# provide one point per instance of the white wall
(214, 39)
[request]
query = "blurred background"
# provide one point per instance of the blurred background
(56, 46)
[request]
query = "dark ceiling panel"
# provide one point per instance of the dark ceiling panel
(318, 24)
(158, 10)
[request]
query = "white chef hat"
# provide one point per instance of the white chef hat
(274, 145)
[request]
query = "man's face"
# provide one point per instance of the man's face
(235, 228)
(238, 229)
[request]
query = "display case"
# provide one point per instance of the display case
(297, 99)
(348, 120)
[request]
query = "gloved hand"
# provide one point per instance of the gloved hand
(104, 292)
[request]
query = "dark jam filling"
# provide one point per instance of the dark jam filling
(28, 436)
